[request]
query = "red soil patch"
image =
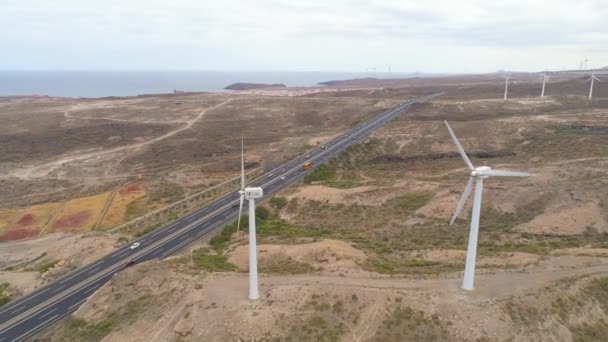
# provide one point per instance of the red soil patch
(131, 188)
(72, 221)
(26, 220)
(18, 234)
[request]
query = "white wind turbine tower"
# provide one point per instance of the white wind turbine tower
(545, 78)
(506, 86)
(478, 174)
(250, 194)
(593, 78)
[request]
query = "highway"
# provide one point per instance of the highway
(32, 313)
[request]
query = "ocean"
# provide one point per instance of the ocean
(130, 83)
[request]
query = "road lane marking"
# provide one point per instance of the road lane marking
(190, 240)
(48, 313)
(193, 238)
(77, 304)
(72, 276)
(91, 290)
(162, 230)
(17, 309)
(36, 327)
(34, 296)
(173, 249)
(59, 288)
(98, 262)
(177, 247)
(126, 250)
(94, 269)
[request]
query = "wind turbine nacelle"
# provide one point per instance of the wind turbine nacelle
(253, 193)
(481, 172)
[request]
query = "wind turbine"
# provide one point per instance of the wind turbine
(506, 86)
(545, 78)
(593, 78)
(478, 174)
(250, 194)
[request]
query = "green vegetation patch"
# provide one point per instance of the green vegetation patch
(279, 227)
(267, 223)
(598, 290)
(5, 293)
(45, 266)
(212, 263)
(220, 241)
(579, 144)
(147, 230)
(136, 208)
(543, 244)
(323, 172)
(412, 266)
(77, 329)
(410, 202)
(284, 265)
(583, 130)
(321, 328)
(167, 192)
(278, 203)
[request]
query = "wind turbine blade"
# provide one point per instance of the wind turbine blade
(242, 166)
(507, 173)
(469, 269)
(238, 225)
(463, 200)
(459, 147)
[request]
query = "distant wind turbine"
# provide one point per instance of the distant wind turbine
(478, 174)
(250, 194)
(593, 78)
(506, 87)
(545, 78)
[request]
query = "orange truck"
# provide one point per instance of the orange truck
(306, 166)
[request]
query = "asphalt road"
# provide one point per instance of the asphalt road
(32, 313)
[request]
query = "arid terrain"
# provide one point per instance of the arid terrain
(360, 250)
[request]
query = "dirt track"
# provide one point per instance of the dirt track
(43, 170)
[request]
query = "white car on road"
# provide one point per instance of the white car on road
(135, 245)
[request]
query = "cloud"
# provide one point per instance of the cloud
(439, 35)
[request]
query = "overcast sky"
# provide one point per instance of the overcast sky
(300, 35)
